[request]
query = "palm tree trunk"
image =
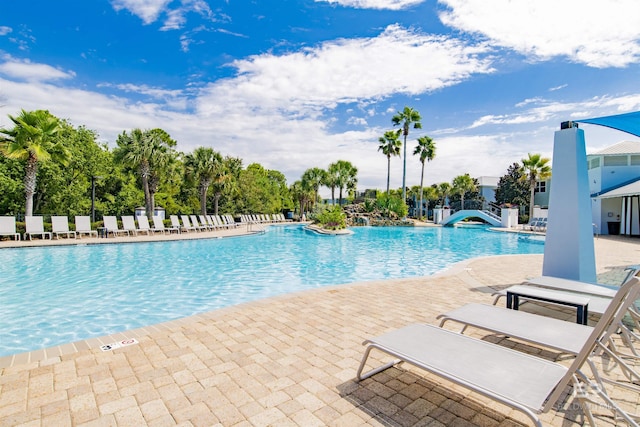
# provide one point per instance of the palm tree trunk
(216, 198)
(388, 174)
(421, 191)
(340, 199)
(203, 199)
(404, 170)
(532, 197)
(31, 170)
(333, 195)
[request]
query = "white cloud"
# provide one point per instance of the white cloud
(147, 10)
(375, 4)
(32, 72)
(590, 32)
(346, 71)
(4, 30)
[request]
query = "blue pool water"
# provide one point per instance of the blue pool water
(55, 295)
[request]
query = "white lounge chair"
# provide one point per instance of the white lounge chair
(526, 383)
(175, 223)
(35, 225)
(196, 224)
(143, 225)
(129, 224)
(231, 223)
(111, 225)
(83, 226)
(8, 227)
(158, 225)
(186, 224)
(60, 225)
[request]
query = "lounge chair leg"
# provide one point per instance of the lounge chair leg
(360, 377)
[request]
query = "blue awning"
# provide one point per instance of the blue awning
(628, 122)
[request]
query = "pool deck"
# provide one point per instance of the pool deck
(289, 360)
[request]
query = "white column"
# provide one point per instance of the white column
(568, 249)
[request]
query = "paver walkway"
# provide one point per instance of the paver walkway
(287, 361)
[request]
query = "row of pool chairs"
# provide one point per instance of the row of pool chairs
(537, 224)
(131, 225)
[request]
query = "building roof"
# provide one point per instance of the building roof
(631, 189)
(624, 147)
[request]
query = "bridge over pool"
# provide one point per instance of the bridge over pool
(486, 216)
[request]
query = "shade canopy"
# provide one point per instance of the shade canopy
(632, 189)
(628, 122)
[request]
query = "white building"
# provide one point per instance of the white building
(614, 184)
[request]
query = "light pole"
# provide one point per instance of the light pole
(93, 197)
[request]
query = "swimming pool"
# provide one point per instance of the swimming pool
(56, 295)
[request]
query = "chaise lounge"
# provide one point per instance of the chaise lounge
(35, 226)
(526, 383)
(8, 227)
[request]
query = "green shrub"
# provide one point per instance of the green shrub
(393, 203)
(332, 218)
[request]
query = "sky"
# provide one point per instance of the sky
(296, 84)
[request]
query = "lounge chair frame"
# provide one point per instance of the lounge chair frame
(83, 226)
(60, 225)
(8, 227)
(111, 226)
(35, 225)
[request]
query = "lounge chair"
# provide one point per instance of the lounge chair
(175, 223)
(60, 225)
(35, 225)
(8, 227)
(158, 225)
(526, 383)
(83, 226)
(129, 224)
(197, 224)
(230, 221)
(186, 224)
(111, 225)
(143, 225)
(205, 222)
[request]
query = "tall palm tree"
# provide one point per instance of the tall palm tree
(406, 118)
(390, 146)
(331, 180)
(536, 168)
(461, 185)
(426, 148)
(33, 139)
(314, 177)
(202, 166)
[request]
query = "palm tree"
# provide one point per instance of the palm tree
(32, 139)
(405, 118)
(149, 152)
(390, 146)
(536, 168)
(345, 176)
(426, 148)
(461, 185)
(331, 180)
(444, 189)
(203, 166)
(301, 192)
(314, 177)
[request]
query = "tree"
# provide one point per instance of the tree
(426, 148)
(331, 181)
(301, 192)
(444, 189)
(461, 185)
(346, 176)
(406, 118)
(536, 168)
(513, 187)
(313, 178)
(33, 139)
(150, 153)
(202, 167)
(390, 146)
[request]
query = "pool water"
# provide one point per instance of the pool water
(55, 295)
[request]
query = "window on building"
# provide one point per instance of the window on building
(616, 161)
(594, 163)
(541, 187)
(635, 160)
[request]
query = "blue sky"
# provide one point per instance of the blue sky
(300, 84)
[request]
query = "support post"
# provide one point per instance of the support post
(569, 251)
